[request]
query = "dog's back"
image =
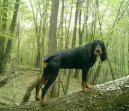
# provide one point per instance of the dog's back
(70, 58)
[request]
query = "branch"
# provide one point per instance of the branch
(28, 92)
(5, 80)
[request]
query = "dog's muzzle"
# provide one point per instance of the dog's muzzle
(98, 51)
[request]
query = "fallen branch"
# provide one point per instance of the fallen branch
(5, 80)
(28, 92)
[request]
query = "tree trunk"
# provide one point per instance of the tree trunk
(73, 40)
(38, 27)
(75, 24)
(5, 56)
(67, 72)
(61, 42)
(110, 96)
(80, 31)
(18, 43)
(3, 29)
(52, 44)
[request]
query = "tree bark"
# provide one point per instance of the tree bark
(74, 37)
(67, 39)
(38, 27)
(110, 96)
(5, 56)
(3, 28)
(75, 24)
(52, 44)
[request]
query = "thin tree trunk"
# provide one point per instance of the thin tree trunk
(67, 72)
(75, 24)
(86, 19)
(38, 27)
(61, 42)
(128, 55)
(73, 43)
(81, 31)
(18, 44)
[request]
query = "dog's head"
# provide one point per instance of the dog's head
(98, 49)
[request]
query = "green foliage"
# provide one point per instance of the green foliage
(107, 20)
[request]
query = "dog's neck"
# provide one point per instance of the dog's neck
(92, 59)
(92, 56)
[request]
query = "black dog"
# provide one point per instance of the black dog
(82, 57)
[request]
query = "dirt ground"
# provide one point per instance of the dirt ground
(15, 89)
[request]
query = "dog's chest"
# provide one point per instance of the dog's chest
(92, 62)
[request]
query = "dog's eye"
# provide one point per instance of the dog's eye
(101, 44)
(95, 43)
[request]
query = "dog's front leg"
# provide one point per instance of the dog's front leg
(85, 86)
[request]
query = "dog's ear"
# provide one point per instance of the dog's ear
(103, 56)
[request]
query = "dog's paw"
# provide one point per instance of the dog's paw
(44, 102)
(89, 86)
(87, 89)
(37, 98)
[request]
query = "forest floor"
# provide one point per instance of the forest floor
(109, 96)
(15, 88)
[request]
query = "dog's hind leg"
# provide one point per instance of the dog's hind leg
(52, 72)
(41, 81)
(45, 88)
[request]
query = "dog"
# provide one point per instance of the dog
(82, 57)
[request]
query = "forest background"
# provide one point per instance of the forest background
(31, 29)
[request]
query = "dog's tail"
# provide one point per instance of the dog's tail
(48, 59)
